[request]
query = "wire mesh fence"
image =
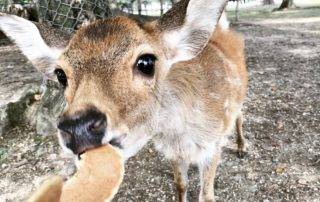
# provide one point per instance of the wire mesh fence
(63, 14)
(69, 15)
(5, 5)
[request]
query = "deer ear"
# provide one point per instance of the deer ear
(27, 37)
(188, 26)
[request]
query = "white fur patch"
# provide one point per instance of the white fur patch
(174, 40)
(204, 14)
(135, 141)
(223, 22)
(184, 132)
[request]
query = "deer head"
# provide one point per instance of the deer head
(115, 71)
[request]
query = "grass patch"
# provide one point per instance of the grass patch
(260, 13)
(3, 154)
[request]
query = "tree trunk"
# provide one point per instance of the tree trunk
(174, 1)
(285, 4)
(161, 7)
(237, 11)
(139, 6)
(267, 2)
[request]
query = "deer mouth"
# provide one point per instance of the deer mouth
(79, 155)
(117, 141)
(85, 149)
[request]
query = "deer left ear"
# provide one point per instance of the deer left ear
(188, 26)
(27, 37)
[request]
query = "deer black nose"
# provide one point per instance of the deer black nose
(83, 131)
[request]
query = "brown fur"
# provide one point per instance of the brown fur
(232, 46)
(189, 76)
(105, 48)
(180, 170)
(99, 61)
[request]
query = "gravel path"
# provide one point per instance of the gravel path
(282, 126)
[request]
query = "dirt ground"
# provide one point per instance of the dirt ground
(282, 127)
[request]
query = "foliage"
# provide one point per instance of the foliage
(266, 12)
(3, 154)
(22, 1)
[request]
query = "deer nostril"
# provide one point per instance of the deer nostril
(83, 130)
(98, 126)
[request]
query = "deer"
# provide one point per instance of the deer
(179, 81)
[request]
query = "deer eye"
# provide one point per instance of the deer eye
(146, 64)
(62, 77)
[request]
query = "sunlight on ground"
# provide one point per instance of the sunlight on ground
(305, 52)
(253, 10)
(308, 14)
(307, 3)
(291, 20)
(256, 4)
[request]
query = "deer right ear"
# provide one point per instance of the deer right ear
(27, 37)
(188, 26)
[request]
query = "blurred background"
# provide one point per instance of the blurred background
(281, 113)
(70, 14)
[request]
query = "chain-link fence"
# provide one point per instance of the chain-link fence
(7, 6)
(69, 15)
(63, 14)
